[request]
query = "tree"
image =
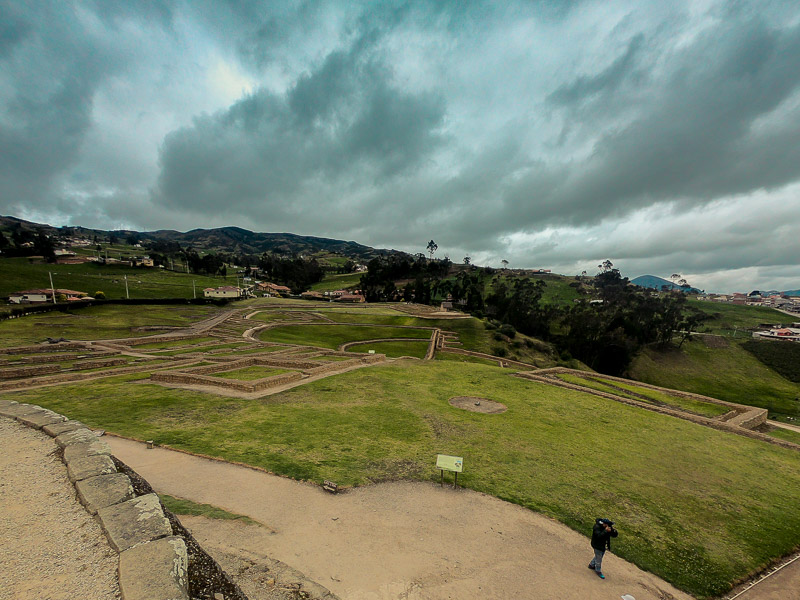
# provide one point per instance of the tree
(467, 260)
(3, 240)
(605, 266)
(505, 263)
(432, 247)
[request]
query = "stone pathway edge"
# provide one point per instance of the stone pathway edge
(153, 563)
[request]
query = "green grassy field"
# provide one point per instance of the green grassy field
(735, 320)
(728, 373)
(98, 322)
(332, 336)
(783, 357)
(394, 349)
(700, 510)
(17, 274)
(337, 282)
(643, 394)
(251, 373)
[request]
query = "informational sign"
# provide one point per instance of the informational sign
(449, 463)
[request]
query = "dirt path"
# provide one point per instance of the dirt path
(50, 547)
(409, 541)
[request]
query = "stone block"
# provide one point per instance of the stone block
(93, 448)
(56, 429)
(18, 410)
(104, 490)
(39, 419)
(134, 521)
(77, 436)
(155, 571)
(83, 467)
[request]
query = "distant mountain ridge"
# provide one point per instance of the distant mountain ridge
(222, 239)
(658, 283)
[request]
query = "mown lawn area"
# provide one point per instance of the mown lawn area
(696, 506)
(98, 322)
(332, 336)
(728, 373)
(250, 373)
(394, 349)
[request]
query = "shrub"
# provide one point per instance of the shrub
(99, 295)
(508, 330)
(499, 351)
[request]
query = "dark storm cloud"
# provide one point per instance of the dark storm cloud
(608, 80)
(344, 119)
(534, 131)
(696, 138)
(51, 71)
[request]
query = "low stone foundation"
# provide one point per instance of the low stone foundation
(32, 371)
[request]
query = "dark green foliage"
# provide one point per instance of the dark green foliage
(783, 357)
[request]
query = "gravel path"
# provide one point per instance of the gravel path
(409, 541)
(50, 547)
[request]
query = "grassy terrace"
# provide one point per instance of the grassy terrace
(98, 322)
(713, 508)
(728, 372)
(332, 336)
(17, 274)
(394, 349)
(643, 394)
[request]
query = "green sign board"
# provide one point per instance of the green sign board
(449, 463)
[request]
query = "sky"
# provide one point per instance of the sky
(664, 136)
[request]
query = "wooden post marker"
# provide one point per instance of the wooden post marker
(445, 462)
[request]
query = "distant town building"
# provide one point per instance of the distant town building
(225, 291)
(46, 295)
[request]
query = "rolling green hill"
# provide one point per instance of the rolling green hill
(17, 274)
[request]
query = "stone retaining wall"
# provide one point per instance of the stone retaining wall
(256, 385)
(38, 348)
(721, 425)
(33, 371)
(49, 358)
(153, 562)
(98, 364)
(66, 377)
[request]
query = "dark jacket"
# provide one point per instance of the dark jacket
(600, 537)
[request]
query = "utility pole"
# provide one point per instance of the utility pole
(127, 296)
(52, 289)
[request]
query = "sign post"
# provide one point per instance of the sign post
(445, 462)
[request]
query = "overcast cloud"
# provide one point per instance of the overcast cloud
(662, 135)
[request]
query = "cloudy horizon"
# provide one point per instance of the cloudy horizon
(662, 136)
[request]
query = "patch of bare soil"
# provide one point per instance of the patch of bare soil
(714, 341)
(392, 541)
(478, 405)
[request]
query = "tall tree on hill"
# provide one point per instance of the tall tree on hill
(432, 247)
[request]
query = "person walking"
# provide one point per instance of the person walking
(602, 532)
